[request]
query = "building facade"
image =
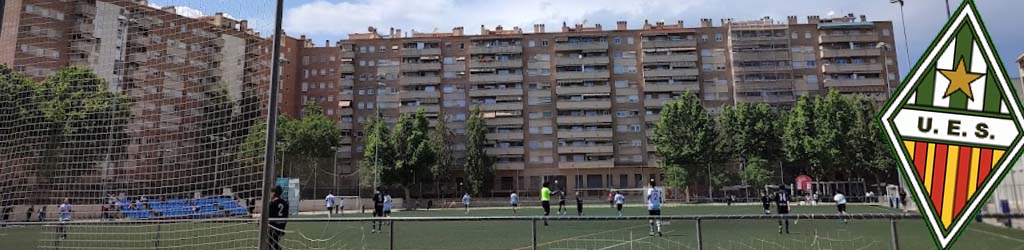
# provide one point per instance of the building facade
(166, 64)
(579, 104)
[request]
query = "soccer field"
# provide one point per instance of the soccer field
(732, 234)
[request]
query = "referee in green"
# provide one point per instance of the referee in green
(545, 201)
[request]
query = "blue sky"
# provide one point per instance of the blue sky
(334, 19)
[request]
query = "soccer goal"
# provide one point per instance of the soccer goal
(129, 125)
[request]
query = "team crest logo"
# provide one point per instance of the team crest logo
(955, 125)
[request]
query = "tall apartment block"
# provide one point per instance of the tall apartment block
(163, 62)
(579, 104)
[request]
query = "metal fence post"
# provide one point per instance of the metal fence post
(156, 243)
(700, 238)
(533, 231)
(895, 238)
(391, 227)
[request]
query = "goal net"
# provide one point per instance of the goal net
(127, 124)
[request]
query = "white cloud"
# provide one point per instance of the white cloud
(188, 11)
(339, 19)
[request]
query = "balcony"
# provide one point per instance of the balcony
(652, 117)
(595, 104)
(347, 82)
(571, 90)
(849, 38)
(587, 164)
(419, 80)
(431, 108)
(495, 92)
(414, 67)
(763, 85)
(692, 87)
(345, 126)
(348, 68)
(569, 149)
(670, 72)
(496, 50)
(766, 99)
(582, 46)
(509, 166)
(854, 82)
(505, 151)
(420, 52)
(347, 54)
(584, 119)
(502, 106)
(505, 136)
(570, 75)
(761, 56)
(652, 103)
(504, 121)
(568, 61)
(669, 44)
(832, 53)
(604, 133)
(516, 63)
(495, 78)
(419, 94)
(761, 68)
(669, 58)
(851, 68)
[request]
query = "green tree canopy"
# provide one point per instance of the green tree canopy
(685, 139)
(479, 166)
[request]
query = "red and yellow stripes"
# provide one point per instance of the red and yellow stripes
(951, 174)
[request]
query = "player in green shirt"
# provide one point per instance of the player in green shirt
(545, 201)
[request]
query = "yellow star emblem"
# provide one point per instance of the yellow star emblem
(960, 80)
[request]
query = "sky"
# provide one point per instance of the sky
(335, 19)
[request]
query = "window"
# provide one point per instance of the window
(807, 35)
(531, 43)
(703, 38)
(617, 40)
(544, 43)
(811, 79)
(629, 40)
(705, 52)
(885, 32)
(718, 37)
(795, 35)
(620, 84)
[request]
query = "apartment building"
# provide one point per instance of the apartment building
(165, 63)
(579, 104)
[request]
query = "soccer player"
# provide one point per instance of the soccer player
(611, 199)
(65, 216)
(514, 199)
(278, 209)
(465, 201)
(561, 202)
(545, 201)
(329, 201)
(378, 210)
(782, 206)
(654, 206)
(766, 202)
(840, 200)
(579, 204)
(42, 214)
(28, 213)
(619, 200)
(388, 203)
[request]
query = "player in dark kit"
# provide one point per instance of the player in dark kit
(579, 204)
(378, 210)
(561, 202)
(278, 209)
(766, 202)
(782, 206)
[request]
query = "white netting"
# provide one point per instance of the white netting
(133, 112)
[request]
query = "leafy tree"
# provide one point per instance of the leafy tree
(757, 172)
(413, 151)
(685, 139)
(377, 151)
(85, 124)
(798, 131)
(750, 130)
(866, 143)
(834, 118)
(479, 166)
(442, 138)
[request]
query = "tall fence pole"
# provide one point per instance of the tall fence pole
(391, 227)
(895, 237)
(533, 231)
(700, 237)
(271, 140)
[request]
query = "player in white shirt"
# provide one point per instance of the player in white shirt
(388, 203)
(619, 200)
(64, 212)
(514, 199)
(840, 200)
(329, 201)
(465, 201)
(654, 198)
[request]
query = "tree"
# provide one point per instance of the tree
(866, 143)
(798, 131)
(685, 140)
(479, 166)
(757, 172)
(750, 130)
(834, 117)
(19, 118)
(217, 138)
(442, 138)
(376, 151)
(414, 155)
(85, 124)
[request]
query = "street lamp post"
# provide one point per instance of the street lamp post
(884, 49)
